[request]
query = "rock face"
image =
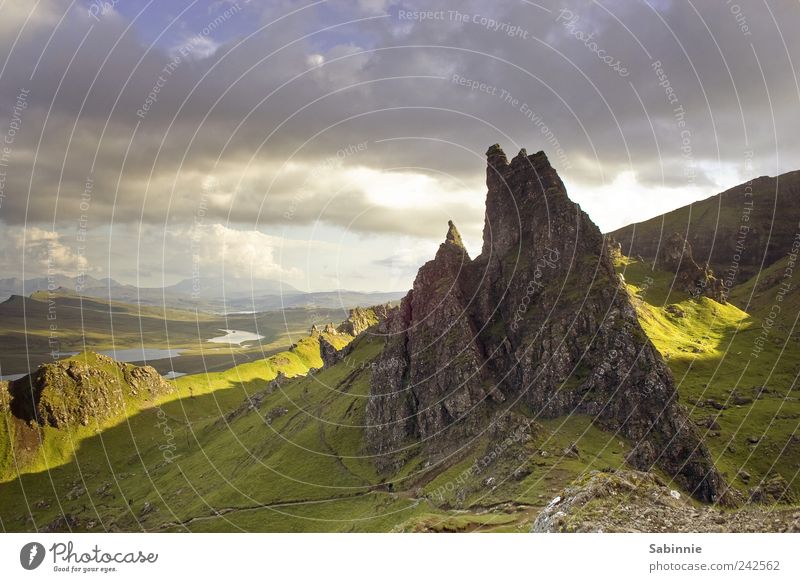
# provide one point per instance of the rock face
(537, 322)
(359, 321)
(329, 353)
(676, 257)
(82, 390)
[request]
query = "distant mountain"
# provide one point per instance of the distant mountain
(17, 286)
(204, 294)
(738, 232)
(320, 299)
(214, 288)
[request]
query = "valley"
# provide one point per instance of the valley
(31, 328)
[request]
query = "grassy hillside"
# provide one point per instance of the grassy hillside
(227, 452)
(27, 448)
(745, 401)
(775, 285)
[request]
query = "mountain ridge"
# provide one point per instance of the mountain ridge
(737, 232)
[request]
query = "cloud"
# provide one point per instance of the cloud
(262, 102)
(43, 252)
(196, 46)
(237, 253)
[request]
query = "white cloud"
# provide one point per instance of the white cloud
(315, 60)
(240, 253)
(17, 13)
(641, 202)
(43, 252)
(197, 46)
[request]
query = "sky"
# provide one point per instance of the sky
(326, 144)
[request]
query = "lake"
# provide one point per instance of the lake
(234, 336)
(141, 354)
(11, 377)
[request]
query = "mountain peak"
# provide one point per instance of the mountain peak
(496, 157)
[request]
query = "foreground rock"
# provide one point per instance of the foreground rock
(632, 501)
(538, 322)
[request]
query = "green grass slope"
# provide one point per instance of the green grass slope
(26, 447)
(231, 452)
(744, 399)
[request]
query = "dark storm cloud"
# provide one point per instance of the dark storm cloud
(257, 122)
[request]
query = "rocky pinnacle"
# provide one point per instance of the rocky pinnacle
(538, 325)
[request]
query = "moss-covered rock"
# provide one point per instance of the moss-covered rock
(81, 390)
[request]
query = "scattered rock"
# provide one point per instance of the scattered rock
(276, 412)
(76, 492)
(709, 423)
(103, 489)
(633, 501)
(147, 509)
(775, 489)
(62, 524)
(675, 310)
(521, 472)
(676, 257)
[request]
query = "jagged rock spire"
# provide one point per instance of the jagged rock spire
(496, 156)
(453, 236)
(474, 336)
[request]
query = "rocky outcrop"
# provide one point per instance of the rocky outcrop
(676, 257)
(537, 322)
(81, 390)
(329, 353)
(771, 490)
(361, 319)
